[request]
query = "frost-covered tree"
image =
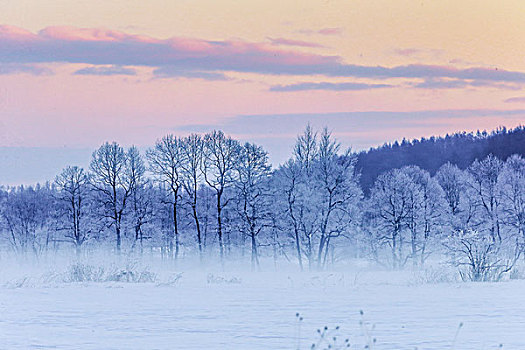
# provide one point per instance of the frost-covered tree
(389, 207)
(512, 181)
(426, 219)
(479, 257)
(461, 199)
(338, 192)
(484, 184)
(451, 180)
(322, 192)
(296, 179)
(27, 216)
(307, 198)
(289, 198)
(306, 149)
(307, 209)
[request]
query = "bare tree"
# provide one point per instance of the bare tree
(27, 217)
(141, 205)
(73, 192)
(166, 160)
(253, 195)
(192, 148)
(220, 157)
(111, 180)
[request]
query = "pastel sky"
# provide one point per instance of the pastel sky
(76, 73)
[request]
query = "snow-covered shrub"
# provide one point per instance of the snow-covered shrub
(18, 283)
(213, 279)
(84, 273)
(88, 273)
(133, 276)
(480, 257)
(432, 275)
(515, 274)
(172, 280)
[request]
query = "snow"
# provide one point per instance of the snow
(241, 310)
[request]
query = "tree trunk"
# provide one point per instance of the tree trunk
(298, 248)
(255, 257)
(176, 229)
(321, 248)
(414, 248)
(394, 246)
(219, 225)
(78, 251)
(198, 226)
(117, 231)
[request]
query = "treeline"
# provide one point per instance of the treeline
(460, 149)
(211, 196)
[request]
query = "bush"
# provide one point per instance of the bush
(213, 279)
(480, 257)
(129, 275)
(88, 273)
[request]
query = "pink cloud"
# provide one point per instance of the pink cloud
(70, 33)
(407, 52)
(108, 47)
(323, 31)
(417, 52)
(81, 34)
(292, 42)
(330, 31)
(15, 33)
(16, 68)
(192, 57)
(515, 100)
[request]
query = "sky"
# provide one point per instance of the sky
(74, 74)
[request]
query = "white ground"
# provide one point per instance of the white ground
(199, 312)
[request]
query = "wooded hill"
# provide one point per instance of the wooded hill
(461, 149)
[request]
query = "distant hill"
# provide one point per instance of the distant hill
(430, 153)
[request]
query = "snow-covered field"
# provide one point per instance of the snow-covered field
(241, 310)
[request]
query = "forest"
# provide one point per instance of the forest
(459, 198)
(460, 149)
